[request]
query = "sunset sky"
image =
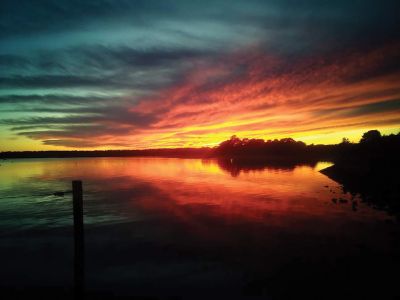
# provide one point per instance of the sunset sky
(153, 74)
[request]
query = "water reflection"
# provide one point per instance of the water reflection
(235, 166)
(227, 189)
(189, 225)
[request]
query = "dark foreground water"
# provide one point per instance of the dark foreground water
(189, 228)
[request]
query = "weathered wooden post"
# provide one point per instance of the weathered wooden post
(79, 249)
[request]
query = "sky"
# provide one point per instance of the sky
(109, 74)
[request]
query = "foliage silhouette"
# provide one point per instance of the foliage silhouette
(370, 168)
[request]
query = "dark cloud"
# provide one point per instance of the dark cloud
(384, 64)
(51, 81)
(98, 67)
(87, 115)
(55, 99)
(74, 131)
(392, 105)
(102, 57)
(80, 123)
(61, 15)
(117, 81)
(10, 60)
(73, 143)
(78, 70)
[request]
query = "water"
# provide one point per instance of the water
(187, 227)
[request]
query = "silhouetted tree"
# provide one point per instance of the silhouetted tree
(371, 136)
(371, 169)
(345, 141)
(286, 148)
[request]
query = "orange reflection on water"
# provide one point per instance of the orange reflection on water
(253, 195)
(188, 188)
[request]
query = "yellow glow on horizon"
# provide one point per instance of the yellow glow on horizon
(210, 140)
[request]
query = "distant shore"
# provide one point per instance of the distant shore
(177, 152)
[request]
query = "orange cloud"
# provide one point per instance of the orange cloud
(257, 95)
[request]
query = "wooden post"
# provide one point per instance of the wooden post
(79, 250)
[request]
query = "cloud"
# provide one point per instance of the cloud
(249, 92)
(175, 73)
(78, 143)
(55, 99)
(108, 82)
(9, 60)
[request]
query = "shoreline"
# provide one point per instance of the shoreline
(376, 186)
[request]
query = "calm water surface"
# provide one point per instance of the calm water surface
(157, 227)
